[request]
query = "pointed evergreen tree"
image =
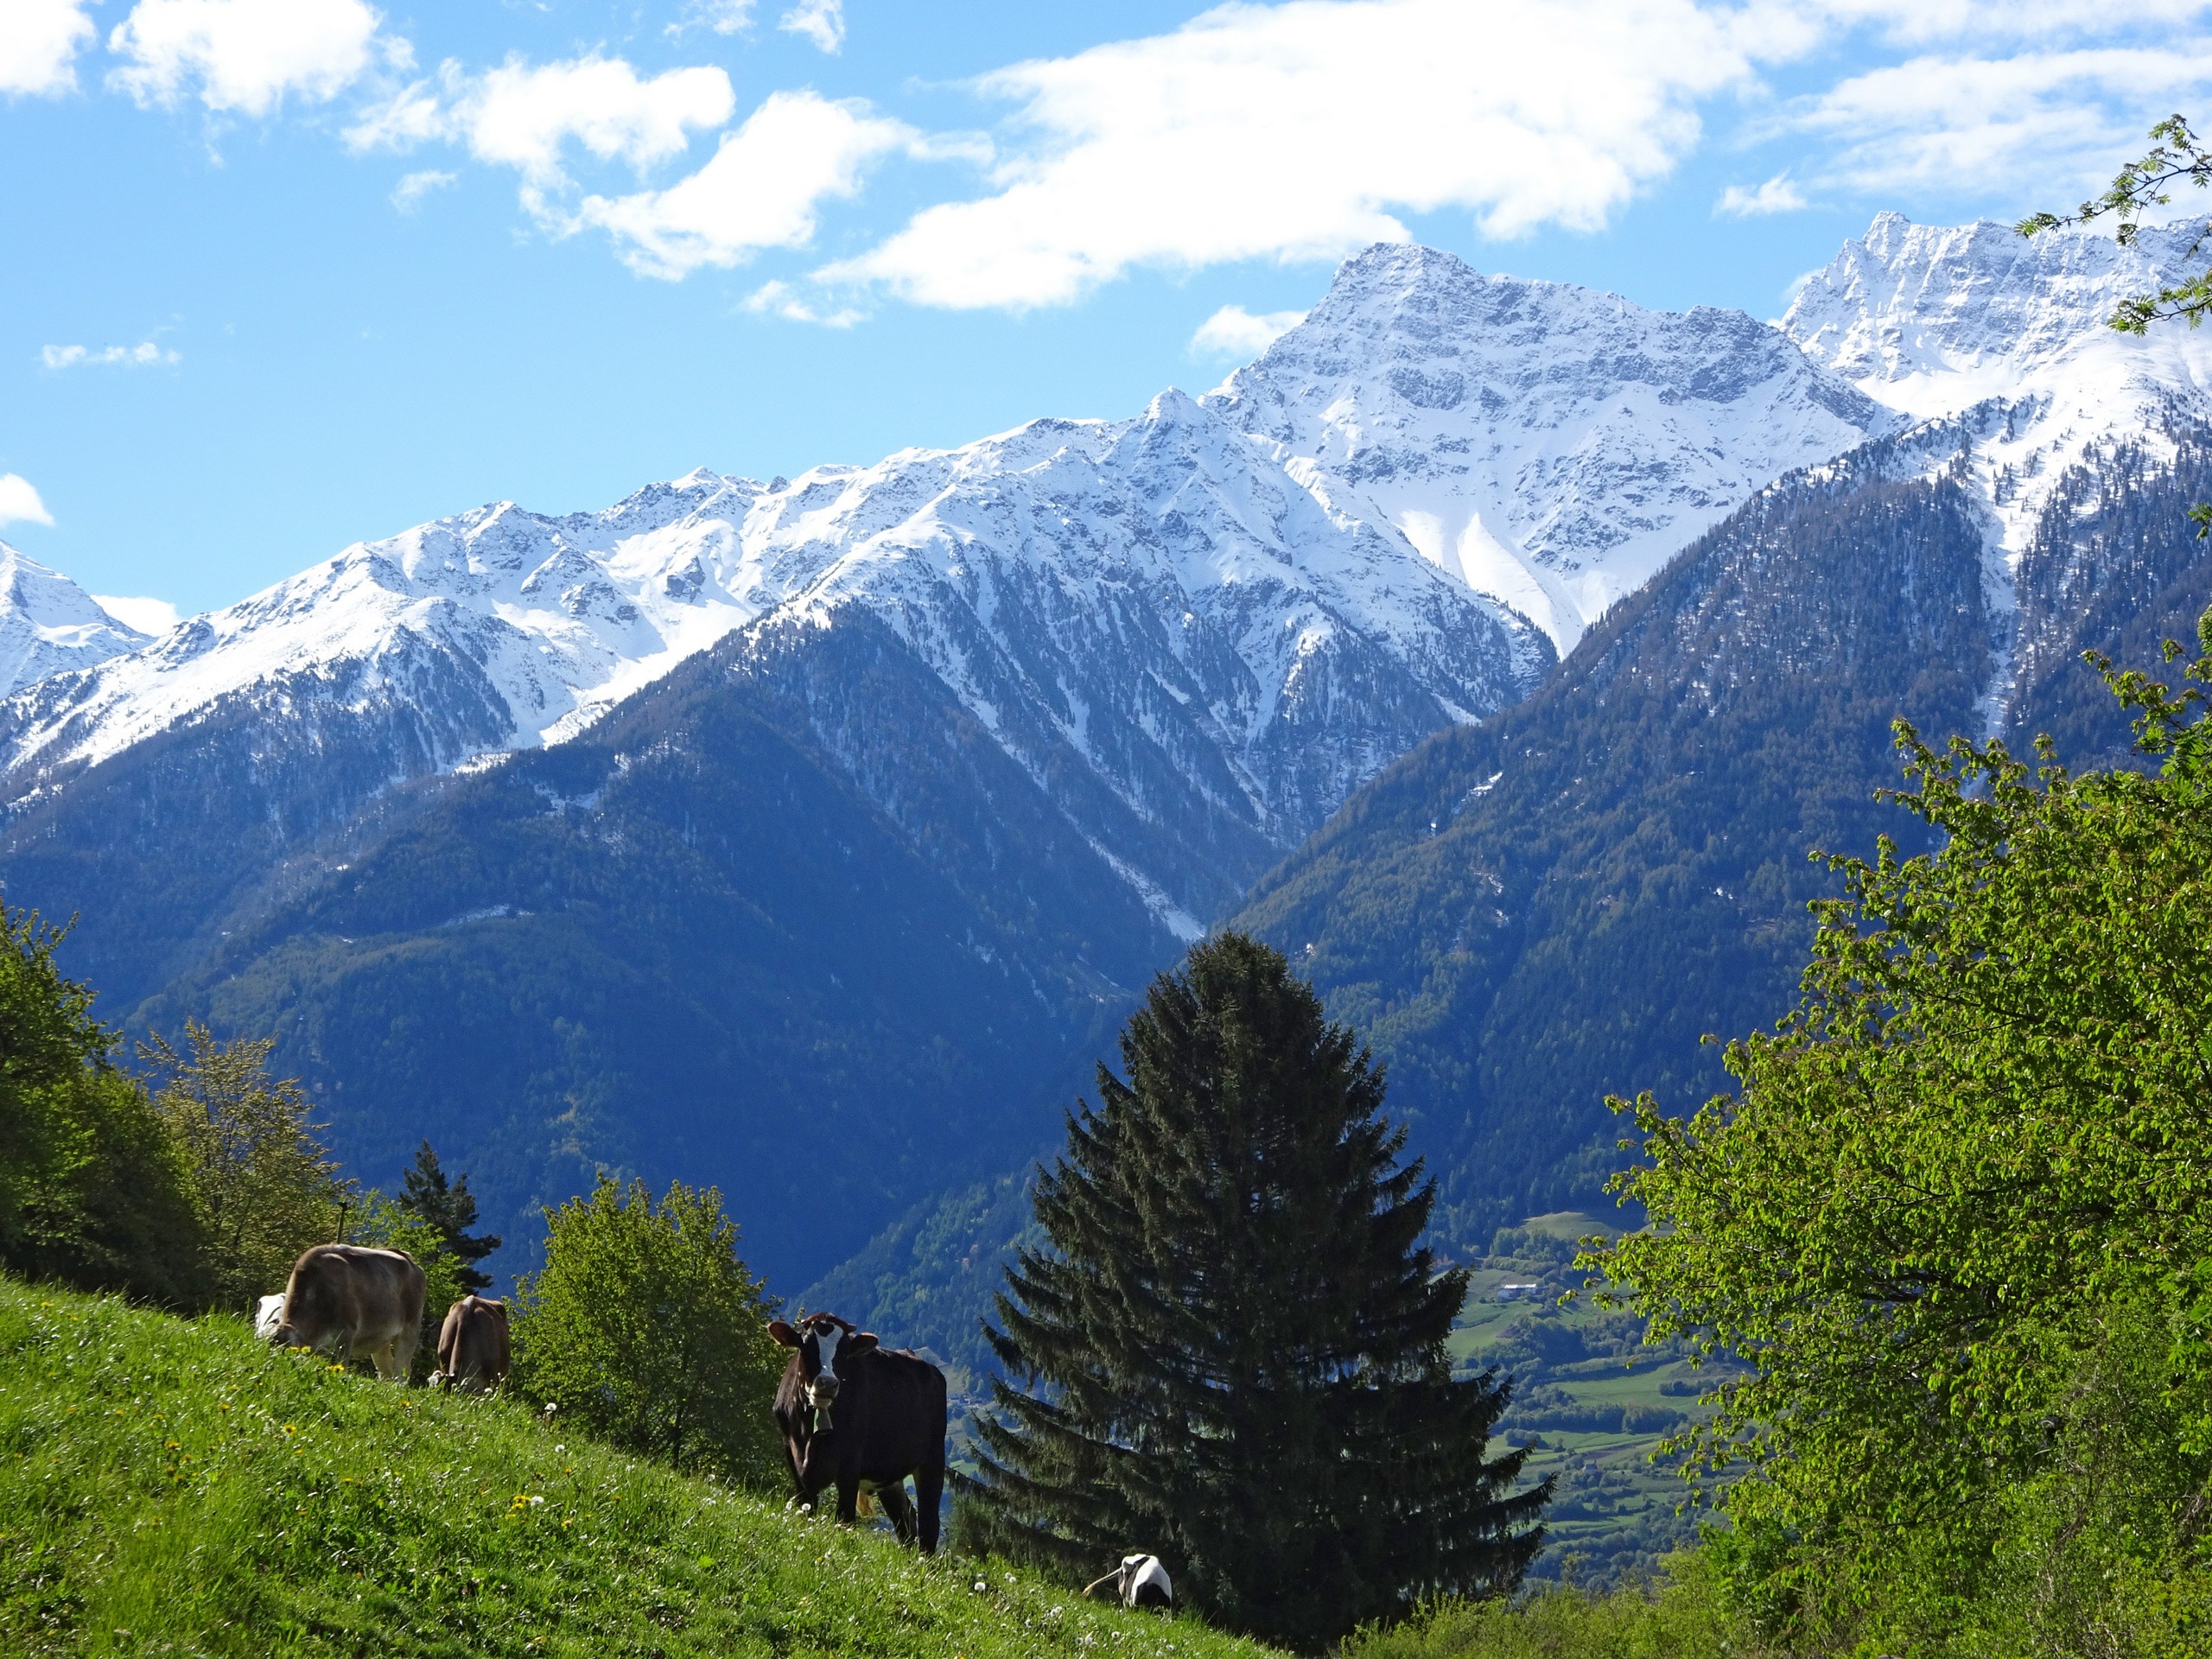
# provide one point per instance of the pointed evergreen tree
(1231, 1353)
(451, 1208)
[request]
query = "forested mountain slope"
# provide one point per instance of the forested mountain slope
(1528, 916)
(790, 923)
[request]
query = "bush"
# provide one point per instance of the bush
(647, 1330)
(1683, 1615)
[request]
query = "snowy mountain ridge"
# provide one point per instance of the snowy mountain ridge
(2011, 333)
(1244, 605)
(48, 623)
(1548, 444)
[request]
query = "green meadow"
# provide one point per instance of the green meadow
(172, 1486)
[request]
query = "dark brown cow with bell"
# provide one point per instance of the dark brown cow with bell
(862, 1417)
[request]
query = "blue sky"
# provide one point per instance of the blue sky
(279, 274)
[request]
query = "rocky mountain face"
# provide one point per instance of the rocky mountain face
(1549, 444)
(48, 623)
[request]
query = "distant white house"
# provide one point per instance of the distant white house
(1518, 1292)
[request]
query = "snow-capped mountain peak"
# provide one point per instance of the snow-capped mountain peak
(2011, 333)
(1933, 319)
(1548, 444)
(47, 623)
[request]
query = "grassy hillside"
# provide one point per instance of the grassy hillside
(173, 1486)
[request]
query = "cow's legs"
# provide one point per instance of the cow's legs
(849, 1500)
(391, 1366)
(929, 1497)
(894, 1499)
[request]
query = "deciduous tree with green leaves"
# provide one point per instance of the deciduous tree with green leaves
(263, 1185)
(93, 1189)
(1231, 1352)
(646, 1328)
(1961, 1182)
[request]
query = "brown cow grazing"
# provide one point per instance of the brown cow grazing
(345, 1299)
(861, 1418)
(472, 1349)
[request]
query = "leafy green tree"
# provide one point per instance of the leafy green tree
(646, 1328)
(262, 1185)
(93, 1191)
(1984, 1135)
(450, 1208)
(1232, 1351)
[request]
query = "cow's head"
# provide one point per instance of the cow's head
(823, 1341)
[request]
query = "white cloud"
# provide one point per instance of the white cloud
(407, 195)
(39, 43)
(1234, 331)
(2046, 122)
(1776, 195)
(822, 22)
(780, 299)
(147, 615)
(19, 502)
(1299, 130)
(723, 16)
(523, 115)
(245, 55)
(526, 117)
(144, 355)
(760, 189)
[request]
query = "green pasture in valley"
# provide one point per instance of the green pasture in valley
(1597, 1400)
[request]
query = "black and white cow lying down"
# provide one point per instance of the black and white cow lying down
(861, 1418)
(1138, 1582)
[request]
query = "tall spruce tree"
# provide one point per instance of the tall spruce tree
(1231, 1352)
(450, 1207)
